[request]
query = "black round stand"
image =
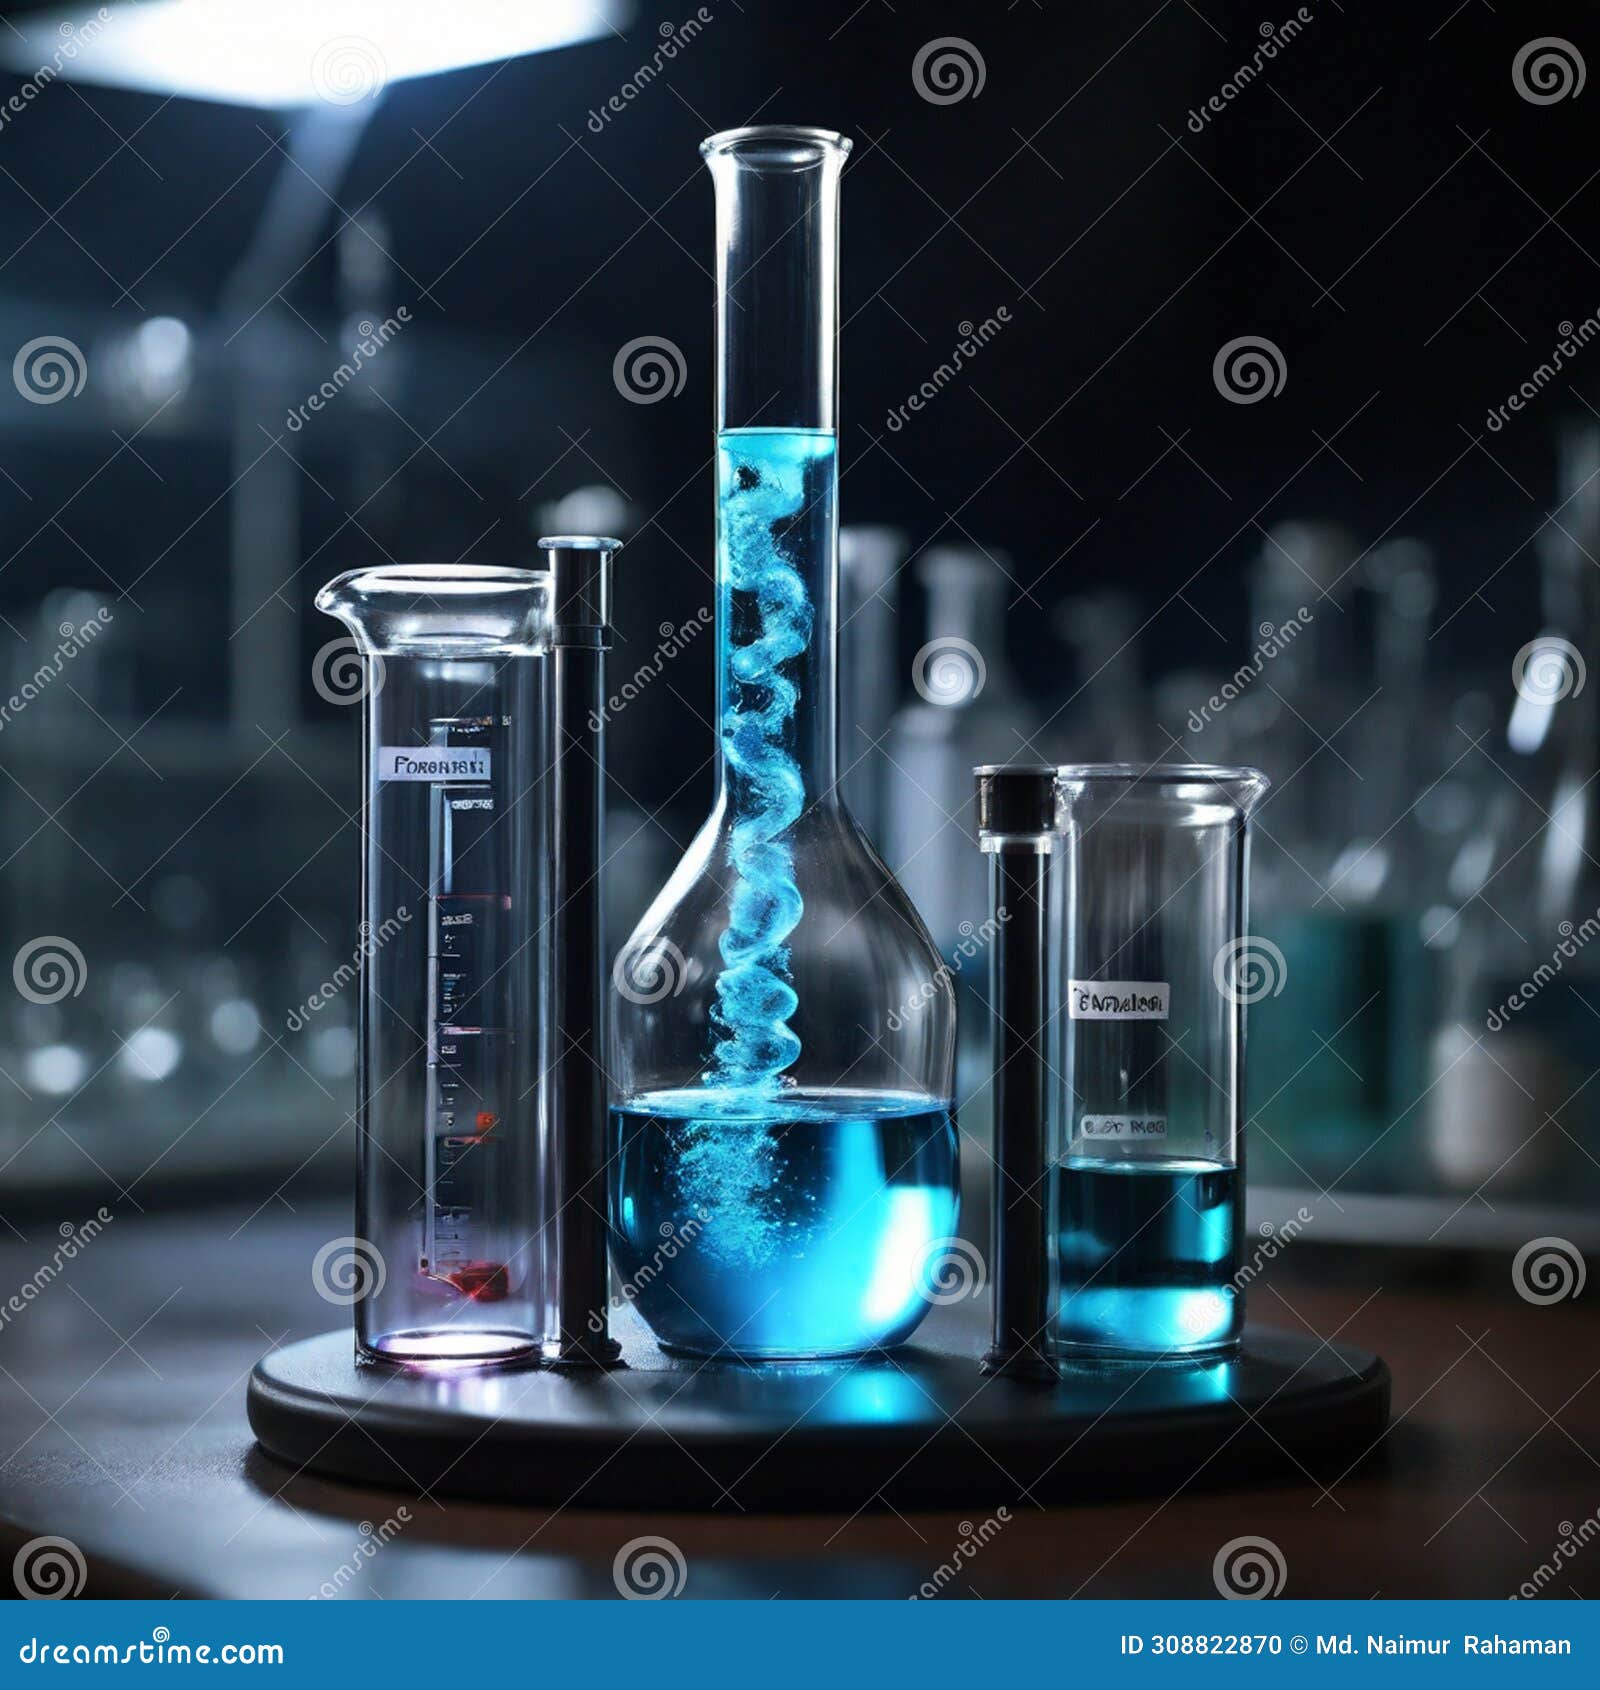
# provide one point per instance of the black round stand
(919, 1427)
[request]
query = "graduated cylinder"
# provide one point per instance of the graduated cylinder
(449, 1095)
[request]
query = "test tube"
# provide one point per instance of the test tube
(451, 1097)
(1149, 968)
(1016, 832)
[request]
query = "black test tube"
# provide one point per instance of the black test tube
(580, 568)
(1016, 830)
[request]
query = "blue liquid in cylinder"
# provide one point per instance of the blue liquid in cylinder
(753, 1216)
(805, 1226)
(1149, 1249)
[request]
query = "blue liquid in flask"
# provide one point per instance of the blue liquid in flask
(754, 1216)
(799, 1226)
(1149, 1249)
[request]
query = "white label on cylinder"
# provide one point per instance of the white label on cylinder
(1122, 1126)
(433, 762)
(1117, 1000)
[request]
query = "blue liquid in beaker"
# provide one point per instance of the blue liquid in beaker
(1149, 1249)
(799, 1226)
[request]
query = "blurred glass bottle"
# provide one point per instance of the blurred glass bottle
(968, 710)
(1512, 1104)
(870, 557)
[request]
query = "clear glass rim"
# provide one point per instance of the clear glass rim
(787, 144)
(1163, 774)
(433, 580)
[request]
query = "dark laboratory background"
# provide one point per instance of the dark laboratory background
(1397, 234)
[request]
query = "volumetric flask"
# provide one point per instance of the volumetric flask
(784, 1156)
(449, 1090)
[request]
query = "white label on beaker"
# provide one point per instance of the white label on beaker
(1122, 1126)
(433, 762)
(1117, 1000)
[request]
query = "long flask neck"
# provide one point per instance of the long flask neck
(777, 519)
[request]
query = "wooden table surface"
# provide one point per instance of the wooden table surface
(122, 1428)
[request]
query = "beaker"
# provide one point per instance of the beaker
(1149, 967)
(784, 1148)
(450, 1095)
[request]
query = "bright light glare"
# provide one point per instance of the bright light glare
(292, 52)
